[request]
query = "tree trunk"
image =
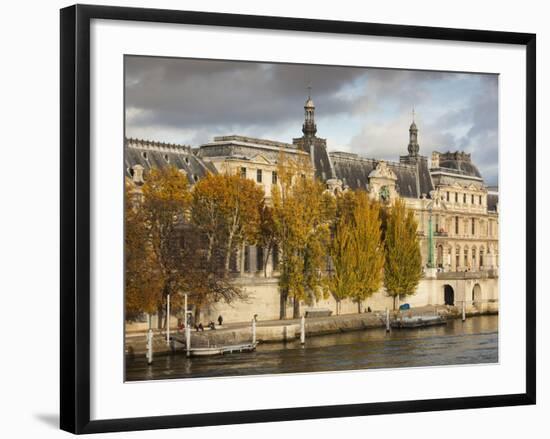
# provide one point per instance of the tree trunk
(197, 314)
(228, 252)
(359, 306)
(159, 316)
(282, 309)
(394, 301)
(296, 311)
(266, 258)
(210, 248)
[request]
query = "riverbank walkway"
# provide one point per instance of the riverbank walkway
(287, 330)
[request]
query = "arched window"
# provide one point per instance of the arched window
(457, 257)
(466, 262)
(481, 257)
(474, 258)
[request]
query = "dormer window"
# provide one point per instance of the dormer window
(166, 158)
(259, 175)
(144, 155)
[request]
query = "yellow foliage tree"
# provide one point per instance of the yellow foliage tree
(143, 282)
(356, 249)
(165, 202)
(301, 214)
(403, 260)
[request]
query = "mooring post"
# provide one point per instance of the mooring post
(387, 320)
(149, 346)
(463, 310)
(168, 319)
(188, 339)
(303, 330)
(254, 331)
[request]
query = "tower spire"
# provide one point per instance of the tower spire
(413, 146)
(309, 128)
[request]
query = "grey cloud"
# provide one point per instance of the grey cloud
(190, 101)
(186, 93)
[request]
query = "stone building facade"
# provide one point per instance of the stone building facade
(457, 213)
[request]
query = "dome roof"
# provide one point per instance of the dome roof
(413, 126)
(309, 103)
(464, 167)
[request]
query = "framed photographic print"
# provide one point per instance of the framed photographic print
(254, 208)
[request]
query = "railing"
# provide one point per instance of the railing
(481, 274)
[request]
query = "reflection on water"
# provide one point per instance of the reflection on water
(471, 342)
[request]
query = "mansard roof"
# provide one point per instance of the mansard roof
(157, 155)
(413, 179)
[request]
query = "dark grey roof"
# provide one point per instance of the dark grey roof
(321, 159)
(424, 177)
(460, 162)
(157, 155)
(413, 180)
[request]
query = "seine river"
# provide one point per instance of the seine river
(470, 342)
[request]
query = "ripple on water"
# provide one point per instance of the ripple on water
(474, 341)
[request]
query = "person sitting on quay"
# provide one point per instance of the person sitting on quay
(212, 326)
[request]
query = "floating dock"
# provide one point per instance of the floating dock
(178, 345)
(418, 322)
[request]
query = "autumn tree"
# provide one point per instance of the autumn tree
(165, 202)
(301, 213)
(368, 248)
(342, 279)
(143, 283)
(356, 249)
(226, 210)
(403, 261)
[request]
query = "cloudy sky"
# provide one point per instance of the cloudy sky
(361, 110)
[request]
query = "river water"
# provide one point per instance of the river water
(471, 342)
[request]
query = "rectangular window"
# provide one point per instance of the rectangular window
(448, 196)
(473, 226)
(274, 177)
(456, 226)
(480, 199)
(456, 197)
(464, 198)
(259, 175)
(243, 172)
(473, 202)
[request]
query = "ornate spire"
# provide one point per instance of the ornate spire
(309, 128)
(413, 147)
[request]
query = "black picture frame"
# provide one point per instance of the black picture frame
(75, 217)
